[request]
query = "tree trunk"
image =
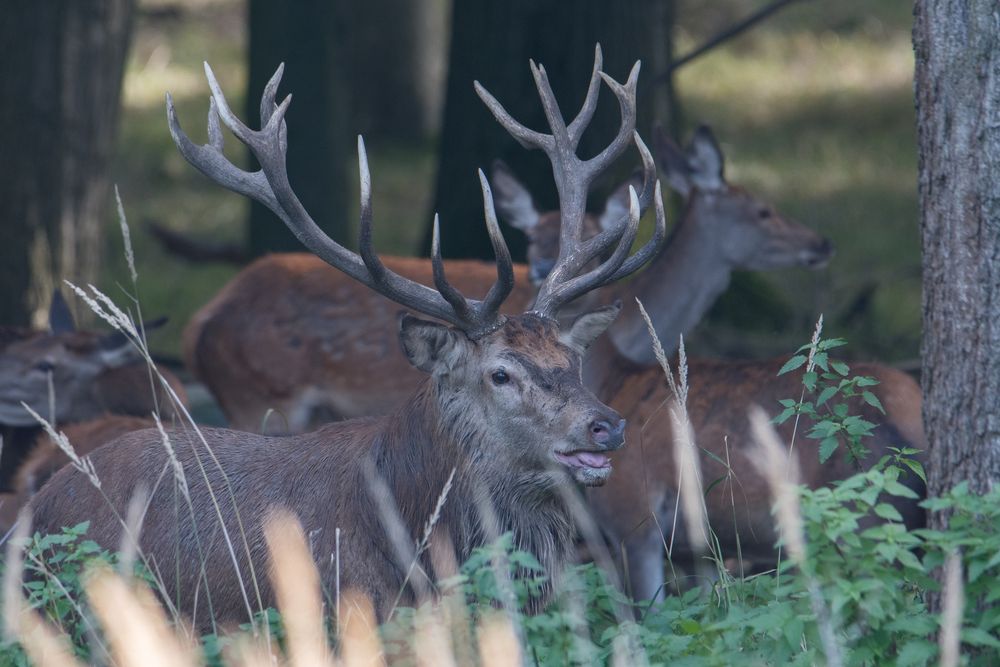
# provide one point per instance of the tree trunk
(58, 122)
(491, 41)
(385, 67)
(957, 45)
(308, 37)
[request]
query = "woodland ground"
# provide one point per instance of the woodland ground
(814, 110)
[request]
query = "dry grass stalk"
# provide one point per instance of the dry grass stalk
(359, 641)
(129, 545)
(498, 644)
(83, 464)
(126, 237)
(432, 644)
(782, 475)
(134, 623)
(297, 589)
(953, 607)
(689, 482)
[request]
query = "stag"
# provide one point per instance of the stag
(67, 376)
(504, 407)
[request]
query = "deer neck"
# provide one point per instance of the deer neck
(676, 289)
(424, 442)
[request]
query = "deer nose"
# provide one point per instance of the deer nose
(610, 436)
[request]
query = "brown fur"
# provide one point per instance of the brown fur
(644, 484)
(46, 458)
(501, 441)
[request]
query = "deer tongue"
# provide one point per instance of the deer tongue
(585, 459)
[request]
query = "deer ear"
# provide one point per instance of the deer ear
(672, 162)
(115, 350)
(589, 326)
(706, 160)
(60, 317)
(616, 208)
(431, 346)
(512, 199)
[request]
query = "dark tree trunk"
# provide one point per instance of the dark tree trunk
(385, 69)
(491, 41)
(61, 83)
(957, 45)
(307, 36)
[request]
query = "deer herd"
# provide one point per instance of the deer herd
(483, 412)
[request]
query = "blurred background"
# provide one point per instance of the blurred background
(813, 108)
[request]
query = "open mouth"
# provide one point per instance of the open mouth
(584, 460)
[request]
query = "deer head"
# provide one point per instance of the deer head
(55, 372)
(749, 232)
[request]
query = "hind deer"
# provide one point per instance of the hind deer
(504, 408)
(724, 228)
(68, 376)
(292, 335)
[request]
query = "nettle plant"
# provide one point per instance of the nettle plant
(830, 387)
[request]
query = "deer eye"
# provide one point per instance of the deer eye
(500, 376)
(764, 213)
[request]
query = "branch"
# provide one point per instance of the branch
(725, 36)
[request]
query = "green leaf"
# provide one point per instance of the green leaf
(872, 400)
(795, 362)
(887, 511)
(831, 343)
(827, 448)
(916, 466)
(865, 381)
(826, 395)
(897, 489)
(809, 380)
(840, 367)
(979, 637)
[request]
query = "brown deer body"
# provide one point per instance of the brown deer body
(69, 376)
(45, 458)
(292, 335)
(725, 228)
(504, 406)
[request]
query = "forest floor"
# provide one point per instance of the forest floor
(813, 109)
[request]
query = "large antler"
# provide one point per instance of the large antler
(573, 178)
(270, 187)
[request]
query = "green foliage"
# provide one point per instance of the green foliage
(833, 387)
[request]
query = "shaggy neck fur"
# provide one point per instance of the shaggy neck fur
(489, 496)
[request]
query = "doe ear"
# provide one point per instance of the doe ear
(705, 160)
(60, 317)
(512, 199)
(589, 326)
(617, 206)
(115, 350)
(673, 163)
(430, 346)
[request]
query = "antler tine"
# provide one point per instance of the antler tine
(626, 102)
(386, 282)
(505, 265)
(549, 300)
(526, 137)
(215, 137)
(649, 250)
(450, 294)
(550, 106)
(586, 114)
(267, 105)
